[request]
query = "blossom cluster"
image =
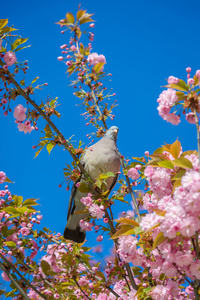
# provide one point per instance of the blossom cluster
(180, 96)
(20, 116)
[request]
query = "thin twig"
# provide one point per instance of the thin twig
(131, 193)
(89, 270)
(22, 93)
(80, 288)
(97, 106)
(22, 277)
(29, 268)
(47, 119)
(14, 282)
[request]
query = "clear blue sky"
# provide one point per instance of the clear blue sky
(144, 42)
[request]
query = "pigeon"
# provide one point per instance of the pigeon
(101, 157)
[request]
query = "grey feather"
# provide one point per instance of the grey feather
(99, 158)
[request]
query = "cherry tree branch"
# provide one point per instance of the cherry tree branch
(14, 282)
(78, 285)
(97, 106)
(22, 277)
(48, 120)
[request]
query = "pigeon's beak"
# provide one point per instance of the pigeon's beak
(115, 130)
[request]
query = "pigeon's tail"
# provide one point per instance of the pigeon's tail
(76, 235)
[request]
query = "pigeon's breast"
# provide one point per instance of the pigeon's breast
(100, 160)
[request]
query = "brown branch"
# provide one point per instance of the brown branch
(22, 277)
(80, 288)
(97, 106)
(48, 120)
(90, 271)
(14, 282)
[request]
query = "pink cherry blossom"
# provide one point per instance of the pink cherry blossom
(195, 268)
(10, 58)
(188, 70)
(133, 174)
(0, 44)
(172, 118)
(5, 276)
(103, 296)
(96, 211)
(150, 220)
(94, 59)
(127, 247)
(100, 238)
(198, 74)
(190, 117)
(4, 100)
(166, 100)
(172, 80)
(87, 201)
(19, 113)
(2, 177)
(73, 48)
(26, 127)
(190, 81)
(87, 226)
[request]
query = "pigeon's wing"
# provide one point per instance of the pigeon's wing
(114, 182)
(71, 205)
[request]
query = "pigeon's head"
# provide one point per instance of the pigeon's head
(112, 133)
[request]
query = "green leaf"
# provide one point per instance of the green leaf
(97, 68)
(181, 86)
(80, 13)
(18, 42)
(3, 22)
(20, 48)
(39, 150)
(17, 200)
(51, 273)
(175, 149)
(181, 95)
(30, 202)
(85, 18)
(166, 164)
(100, 274)
(47, 129)
(34, 80)
(179, 175)
(84, 188)
(120, 232)
(45, 267)
(7, 29)
(120, 198)
(22, 210)
(160, 212)
(159, 150)
(10, 210)
(160, 238)
(50, 147)
(8, 180)
(182, 162)
(22, 82)
(70, 18)
(127, 221)
(10, 244)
